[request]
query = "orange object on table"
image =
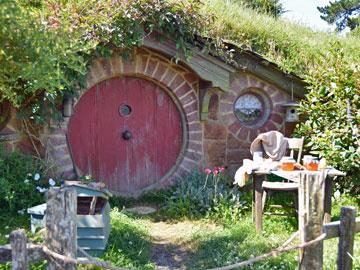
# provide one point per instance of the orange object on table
(311, 163)
(287, 164)
(312, 166)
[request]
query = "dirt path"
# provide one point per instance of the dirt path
(172, 243)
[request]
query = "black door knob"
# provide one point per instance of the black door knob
(126, 135)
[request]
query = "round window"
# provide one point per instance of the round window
(249, 108)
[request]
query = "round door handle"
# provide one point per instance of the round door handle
(126, 135)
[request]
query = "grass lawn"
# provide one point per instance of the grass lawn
(142, 242)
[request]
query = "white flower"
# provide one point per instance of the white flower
(52, 182)
(29, 174)
(36, 176)
(41, 190)
(21, 212)
(26, 181)
(337, 194)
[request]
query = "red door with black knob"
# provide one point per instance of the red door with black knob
(126, 132)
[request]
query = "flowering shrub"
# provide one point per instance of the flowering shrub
(22, 181)
(206, 194)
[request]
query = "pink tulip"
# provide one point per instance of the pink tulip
(207, 171)
(221, 169)
(215, 172)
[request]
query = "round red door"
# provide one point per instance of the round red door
(126, 132)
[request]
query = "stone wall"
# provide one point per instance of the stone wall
(226, 140)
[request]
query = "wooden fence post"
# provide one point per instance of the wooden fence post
(346, 238)
(60, 237)
(19, 250)
(311, 210)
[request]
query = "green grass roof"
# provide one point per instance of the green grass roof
(294, 47)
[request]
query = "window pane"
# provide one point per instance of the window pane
(248, 108)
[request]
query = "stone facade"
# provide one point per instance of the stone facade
(226, 140)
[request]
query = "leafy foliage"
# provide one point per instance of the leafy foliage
(344, 13)
(200, 194)
(50, 55)
(123, 23)
(36, 63)
(332, 107)
(22, 181)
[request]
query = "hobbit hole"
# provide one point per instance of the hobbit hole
(213, 112)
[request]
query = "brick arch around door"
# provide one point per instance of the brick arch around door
(147, 79)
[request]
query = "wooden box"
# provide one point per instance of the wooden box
(93, 229)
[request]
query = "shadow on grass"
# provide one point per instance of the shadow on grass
(169, 256)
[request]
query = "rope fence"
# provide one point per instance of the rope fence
(89, 260)
(60, 246)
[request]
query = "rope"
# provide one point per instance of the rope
(89, 261)
(273, 253)
(291, 238)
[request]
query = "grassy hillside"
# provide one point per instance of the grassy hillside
(294, 47)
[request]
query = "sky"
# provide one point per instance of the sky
(305, 11)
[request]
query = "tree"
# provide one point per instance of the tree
(344, 13)
(270, 7)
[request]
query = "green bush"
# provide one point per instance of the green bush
(332, 108)
(22, 181)
(200, 194)
(38, 62)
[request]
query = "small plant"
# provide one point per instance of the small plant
(23, 181)
(86, 179)
(205, 194)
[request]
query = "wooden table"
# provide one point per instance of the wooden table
(260, 175)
